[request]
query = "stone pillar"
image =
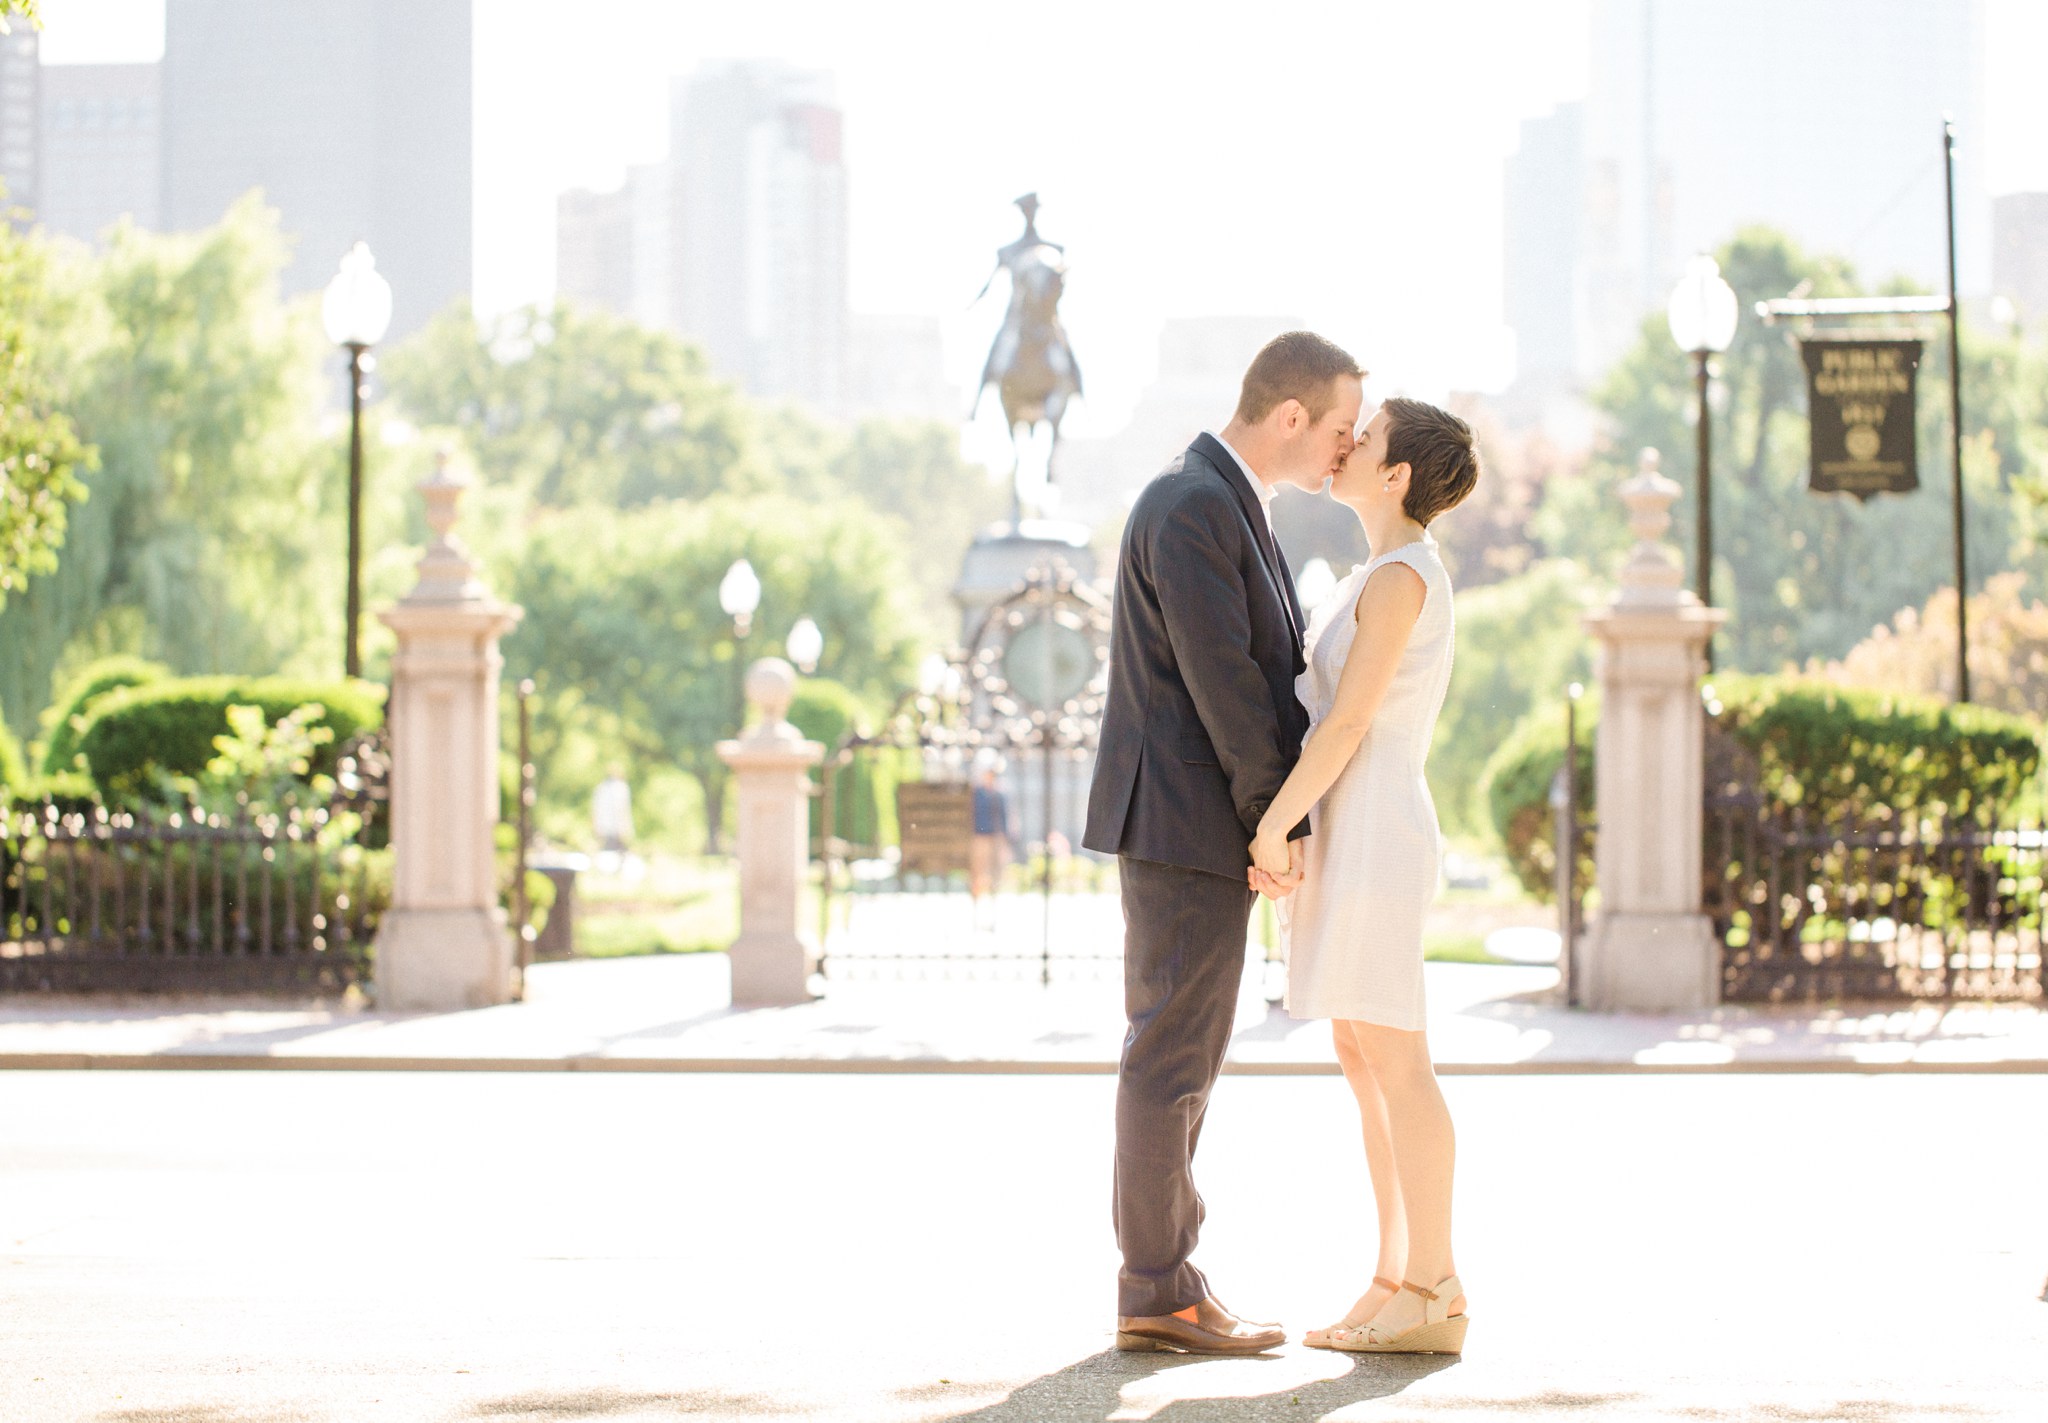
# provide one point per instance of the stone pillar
(1650, 947)
(772, 960)
(444, 944)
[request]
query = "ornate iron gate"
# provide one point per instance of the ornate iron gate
(895, 831)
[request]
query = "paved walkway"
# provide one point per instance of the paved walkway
(363, 1247)
(674, 1014)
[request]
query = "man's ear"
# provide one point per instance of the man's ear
(1292, 415)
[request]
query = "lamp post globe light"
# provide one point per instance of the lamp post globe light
(1317, 581)
(739, 593)
(806, 644)
(1702, 314)
(356, 310)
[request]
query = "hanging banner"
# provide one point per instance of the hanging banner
(1860, 394)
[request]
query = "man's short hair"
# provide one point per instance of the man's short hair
(1295, 365)
(1437, 447)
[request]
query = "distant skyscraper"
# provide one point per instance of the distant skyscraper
(353, 116)
(1544, 211)
(20, 79)
(594, 254)
(2019, 253)
(759, 227)
(1822, 118)
(102, 148)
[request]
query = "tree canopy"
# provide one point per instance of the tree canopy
(622, 615)
(211, 497)
(41, 455)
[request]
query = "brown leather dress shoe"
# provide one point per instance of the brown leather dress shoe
(1212, 1329)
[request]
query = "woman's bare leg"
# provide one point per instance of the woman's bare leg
(1424, 1153)
(1379, 1164)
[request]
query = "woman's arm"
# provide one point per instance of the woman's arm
(1388, 608)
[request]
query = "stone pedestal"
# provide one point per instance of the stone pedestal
(444, 943)
(771, 960)
(1650, 947)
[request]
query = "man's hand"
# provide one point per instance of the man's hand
(1273, 882)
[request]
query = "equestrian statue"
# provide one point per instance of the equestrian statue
(1031, 363)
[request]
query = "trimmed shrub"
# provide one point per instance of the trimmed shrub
(169, 727)
(1516, 788)
(1838, 756)
(66, 718)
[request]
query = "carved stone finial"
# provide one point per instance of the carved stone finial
(771, 687)
(446, 573)
(1651, 576)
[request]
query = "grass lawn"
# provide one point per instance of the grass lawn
(682, 906)
(678, 906)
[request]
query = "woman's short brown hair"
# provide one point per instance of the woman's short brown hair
(1437, 447)
(1295, 365)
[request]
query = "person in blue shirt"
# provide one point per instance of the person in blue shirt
(991, 848)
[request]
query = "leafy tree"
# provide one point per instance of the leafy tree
(622, 617)
(213, 533)
(1805, 575)
(1916, 651)
(40, 453)
(573, 406)
(578, 407)
(910, 471)
(1520, 644)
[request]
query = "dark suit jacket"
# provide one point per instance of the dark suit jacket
(1202, 725)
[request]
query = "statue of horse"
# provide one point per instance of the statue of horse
(1031, 363)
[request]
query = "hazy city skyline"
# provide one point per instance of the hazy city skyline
(1291, 137)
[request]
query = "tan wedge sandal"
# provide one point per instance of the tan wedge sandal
(1439, 1333)
(1320, 1338)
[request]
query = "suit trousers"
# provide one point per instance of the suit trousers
(1184, 937)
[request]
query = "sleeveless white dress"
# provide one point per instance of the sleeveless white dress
(1354, 929)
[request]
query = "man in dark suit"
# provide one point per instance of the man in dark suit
(1201, 729)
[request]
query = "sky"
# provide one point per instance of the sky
(1291, 159)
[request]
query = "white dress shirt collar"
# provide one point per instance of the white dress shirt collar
(1259, 486)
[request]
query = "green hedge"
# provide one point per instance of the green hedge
(66, 719)
(1852, 758)
(1516, 787)
(170, 726)
(863, 793)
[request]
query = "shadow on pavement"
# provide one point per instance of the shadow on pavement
(561, 1404)
(1103, 1384)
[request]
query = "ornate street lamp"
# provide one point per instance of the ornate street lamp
(356, 312)
(1702, 315)
(805, 646)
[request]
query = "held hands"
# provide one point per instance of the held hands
(1277, 865)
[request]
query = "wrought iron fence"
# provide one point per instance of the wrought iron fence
(93, 899)
(1811, 911)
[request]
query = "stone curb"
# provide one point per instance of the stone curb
(258, 1062)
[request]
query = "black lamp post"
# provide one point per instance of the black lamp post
(1702, 315)
(356, 311)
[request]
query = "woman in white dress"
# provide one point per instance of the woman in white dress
(1379, 661)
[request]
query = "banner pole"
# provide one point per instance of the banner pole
(1955, 396)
